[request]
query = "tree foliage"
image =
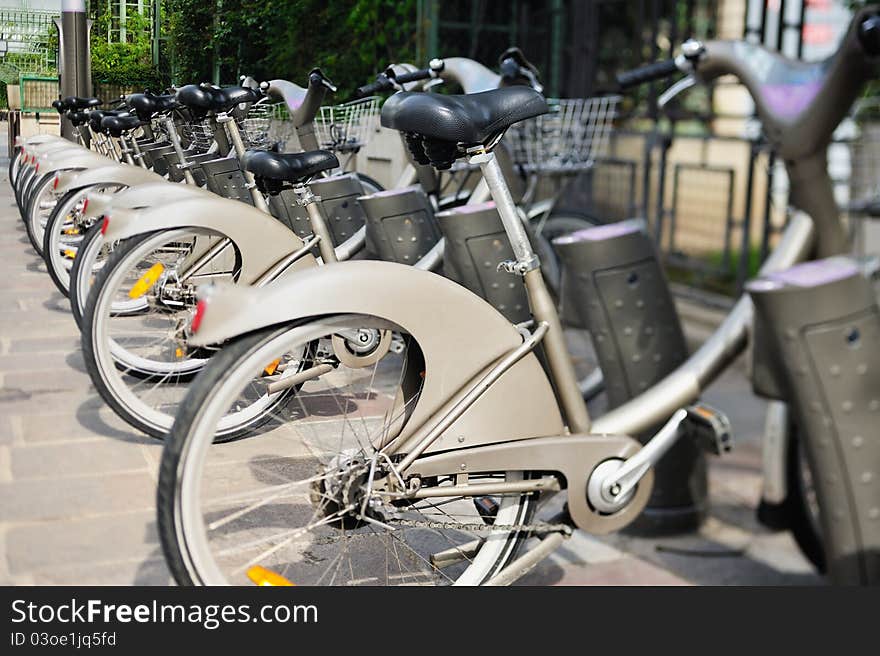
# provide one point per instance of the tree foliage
(128, 63)
(351, 40)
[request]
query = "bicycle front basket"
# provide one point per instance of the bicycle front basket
(569, 138)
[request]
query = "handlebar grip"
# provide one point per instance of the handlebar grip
(656, 71)
(422, 74)
(382, 84)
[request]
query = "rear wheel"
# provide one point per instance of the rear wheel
(308, 498)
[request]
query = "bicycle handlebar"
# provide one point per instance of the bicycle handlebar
(388, 80)
(382, 83)
(648, 73)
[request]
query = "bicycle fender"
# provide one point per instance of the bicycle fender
(151, 194)
(461, 337)
(110, 173)
(260, 239)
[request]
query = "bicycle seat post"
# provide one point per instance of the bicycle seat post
(307, 198)
(528, 265)
(138, 153)
(232, 131)
(178, 150)
(126, 150)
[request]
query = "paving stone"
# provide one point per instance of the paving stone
(7, 431)
(42, 362)
(147, 572)
(71, 498)
(82, 423)
(59, 344)
(5, 464)
(97, 456)
(47, 381)
(623, 571)
(123, 537)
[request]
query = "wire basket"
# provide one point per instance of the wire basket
(254, 127)
(348, 126)
(570, 137)
(198, 135)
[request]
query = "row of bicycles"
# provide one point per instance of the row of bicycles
(367, 386)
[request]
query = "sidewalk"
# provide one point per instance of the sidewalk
(77, 485)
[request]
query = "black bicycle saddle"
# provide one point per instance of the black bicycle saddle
(468, 118)
(75, 103)
(97, 115)
(116, 125)
(206, 98)
(288, 167)
(145, 105)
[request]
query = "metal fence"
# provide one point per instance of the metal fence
(37, 93)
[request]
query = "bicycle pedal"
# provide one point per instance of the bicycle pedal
(487, 507)
(709, 428)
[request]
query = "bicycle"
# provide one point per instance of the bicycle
(425, 465)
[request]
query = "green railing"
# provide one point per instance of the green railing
(37, 93)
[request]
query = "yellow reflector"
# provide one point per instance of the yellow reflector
(263, 576)
(178, 352)
(69, 254)
(272, 366)
(146, 281)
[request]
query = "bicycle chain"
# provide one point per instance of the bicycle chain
(540, 527)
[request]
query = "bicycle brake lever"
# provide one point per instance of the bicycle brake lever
(682, 85)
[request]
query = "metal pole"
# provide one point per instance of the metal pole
(157, 29)
(74, 64)
(556, 44)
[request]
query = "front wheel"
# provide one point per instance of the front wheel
(545, 230)
(41, 201)
(91, 255)
(305, 498)
(65, 232)
(132, 326)
(369, 185)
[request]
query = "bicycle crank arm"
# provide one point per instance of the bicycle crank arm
(613, 482)
(576, 457)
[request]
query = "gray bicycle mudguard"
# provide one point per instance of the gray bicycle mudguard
(614, 285)
(260, 240)
(71, 159)
(817, 328)
(400, 224)
(110, 173)
(338, 196)
(38, 156)
(39, 139)
(475, 244)
(55, 145)
(225, 178)
(430, 308)
(142, 196)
